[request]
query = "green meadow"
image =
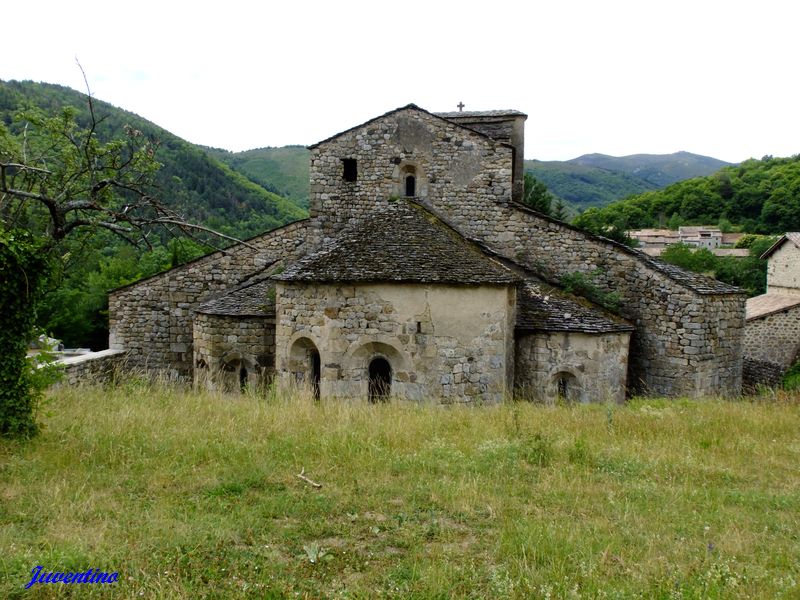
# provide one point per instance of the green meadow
(197, 495)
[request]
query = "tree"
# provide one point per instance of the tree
(536, 195)
(560, 211)
(57, 179)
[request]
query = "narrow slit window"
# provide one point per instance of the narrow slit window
(349, 169)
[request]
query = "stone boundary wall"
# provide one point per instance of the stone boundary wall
(774, 338)
(760, 372)
(95, 367)
(152, 319)
(688, 338)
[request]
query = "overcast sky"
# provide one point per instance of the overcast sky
(609, 76)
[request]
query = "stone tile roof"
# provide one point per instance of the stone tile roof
(255, 298)
(422, 110)
(701, 284)
(542, 308)
(480, 113)
(402, 242)
(791, 236)
(767, 304)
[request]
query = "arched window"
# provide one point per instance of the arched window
(242, 378)
(566, 385)
(305, 364)
(411, 185)
(380, 380)
(316, 372)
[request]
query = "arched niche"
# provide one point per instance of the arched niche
(409, 180)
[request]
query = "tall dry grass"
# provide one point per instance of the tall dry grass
(193, 494)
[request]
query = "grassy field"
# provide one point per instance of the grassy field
(197, 496)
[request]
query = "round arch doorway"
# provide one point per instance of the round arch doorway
(380, 380)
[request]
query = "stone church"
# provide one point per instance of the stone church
(419, 275)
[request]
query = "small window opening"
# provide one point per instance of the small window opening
(411, 185)
(349, 169)
(380, 380)
(242, 378)
(419, 326)
(316, 372)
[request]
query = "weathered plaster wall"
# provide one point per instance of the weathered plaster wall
(774, 338)
(448, 342)
(450, 161)
(783, 270)
(225, 344)
(152, 319)
(597, 362)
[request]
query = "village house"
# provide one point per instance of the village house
(418, 275)
(772, 332)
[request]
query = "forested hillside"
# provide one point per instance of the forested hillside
(280, 170)
(760, 196)
(201, 188)
(190, 181)
(595, 180)
(581, 186)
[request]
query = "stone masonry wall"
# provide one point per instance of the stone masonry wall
(685, 343)
(598, 362)
(774, 338)
(783, 270)
(756, 373)
(508, 129)
(443, 342)
(224, 344)
(449, 161)
(152, 319)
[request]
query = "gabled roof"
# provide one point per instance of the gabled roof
(768, 304)
(407, 107)
(252, 299)
(791, 236)
(399, 242)
(541, 308)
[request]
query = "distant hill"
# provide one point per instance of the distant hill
(760, 196)
(202, 188)
(659, 170)
(280, 170)
(598, 179)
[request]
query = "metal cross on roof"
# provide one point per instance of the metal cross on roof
(460, 106)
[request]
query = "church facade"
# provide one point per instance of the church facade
(419, 275)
